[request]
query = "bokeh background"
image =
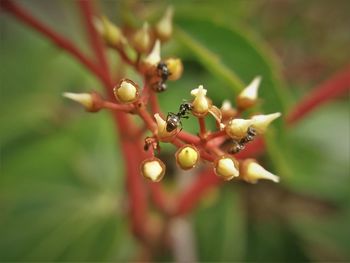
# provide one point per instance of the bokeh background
(62, 194)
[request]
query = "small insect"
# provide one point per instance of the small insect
(240, 145)
(163, 73)
(173, 120)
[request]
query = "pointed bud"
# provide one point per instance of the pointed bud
(200, 104)
(237, 128)
(153, 169)
(261, 122)
(251, 172)
(126, 91)
(227, 111)
(164, 28)
(226, 167)
(248, 97)
(142, 39)
(153, 58)
(162, 133)
(111, 34)
(187, 157)
(175, 68)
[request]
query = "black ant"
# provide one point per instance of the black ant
(173, 120)
(240, 145)
(163, 73)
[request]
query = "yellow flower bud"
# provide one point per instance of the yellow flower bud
(251, 172)
(226, 167)
(164, 28)
(175, 68)
(126, 91)
(261, 122)
(163, 134)
(200, 104)
(153, 169)
(248, 97)
(153, 58)
(84, 99)
(110, 32)
(142, 39)
(237, 128)
(187, 157)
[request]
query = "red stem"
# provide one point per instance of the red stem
(119, 107)
(56, 38)
(202, 128)
(189, 199)
(95, 39)
(334, 87)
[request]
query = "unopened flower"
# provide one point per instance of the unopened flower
(248, 97)
(142, 39)
(175, 68)
(111, 33)
(90, 101)
(187, 157)
(153, 169)
(162, 133)
(226, 167)
(251, 172)
(200, 104)
(153, 58)
(227, 111)
(164, 28)
(237, 128)
(126, 91)
(261, 122)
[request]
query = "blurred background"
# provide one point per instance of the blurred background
(62, 194)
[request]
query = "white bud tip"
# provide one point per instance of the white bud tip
(261, 122)
(226, 105)
(153, 169)
(251, 91)
(83, 98)
(255, 172)
(154, 57)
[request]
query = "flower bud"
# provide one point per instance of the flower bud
(153, 169)
(92, 102)
(237, 128)
(110, 32)
(261, 122)
(227, 111)
(200, 104)
(163, 134)
(126, 91)
(164, 27)
(153, 58)
(226, 167)
(175, 68)
(187, 157)
(248, 97)
(251, 172)
(142, 39)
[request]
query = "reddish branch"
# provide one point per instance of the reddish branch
(334, 87)
(95, 39)
(56, 38)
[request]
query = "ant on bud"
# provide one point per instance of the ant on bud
(240, 145)
(173, 120)
(163, 73)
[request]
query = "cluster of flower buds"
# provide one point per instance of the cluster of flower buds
(232, 128)
(207, 146)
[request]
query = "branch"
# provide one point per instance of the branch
(95, 39)
(334, 87)
(56, 38)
